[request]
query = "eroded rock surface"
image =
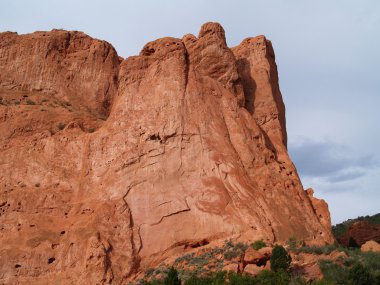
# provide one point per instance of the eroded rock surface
(359, 233)
(193, 152)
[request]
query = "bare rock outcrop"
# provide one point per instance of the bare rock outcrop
(370, 245)
(359, 233)
(193, 152)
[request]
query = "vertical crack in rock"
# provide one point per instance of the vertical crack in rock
(135, 250)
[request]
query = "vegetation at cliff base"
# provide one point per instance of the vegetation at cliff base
(353, 267)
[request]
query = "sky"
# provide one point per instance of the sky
(328, 57)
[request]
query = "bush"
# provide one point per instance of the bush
(172, 277)
(258, 244)
(232, 250)
(292, 243)
(217, 279)
(280, 259)
(267, 277)
(30, 102)
(327, 249)
(333, 273)
(61, 126)
(359, 275)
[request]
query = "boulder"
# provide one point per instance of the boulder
(370, 245)
(253, 269)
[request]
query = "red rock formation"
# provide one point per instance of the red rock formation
(193, 152)
(359, 233)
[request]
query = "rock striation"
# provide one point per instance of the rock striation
(110, 166)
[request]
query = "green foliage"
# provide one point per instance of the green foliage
(321, 282)
(327, 249)
(91, 130)
(258, 244)
(333, 272)
(359, 275)
(217, 279)
(292, 243)
(172, 277)
(149, 272)
(238, 279)
(30, 102)
(232, 250)
(371, 260)
(280, 259)
(267, 277)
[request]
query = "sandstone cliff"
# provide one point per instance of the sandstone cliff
(109, 167)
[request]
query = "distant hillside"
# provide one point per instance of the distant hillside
(340, 229)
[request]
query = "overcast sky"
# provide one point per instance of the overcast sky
(328, 55)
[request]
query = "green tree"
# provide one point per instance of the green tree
(280, 259)
(172, 277)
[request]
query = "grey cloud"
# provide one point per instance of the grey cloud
(330, 161)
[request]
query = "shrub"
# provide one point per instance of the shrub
(30, 102)
(327, 249)
(237, 279)
(61, 126)
(172, 277)
(292, 243)
(149, 272)
(267, 277)
(371, 260)
(258, 244)
(333, 273)
(280, 259)
(234, 250)
(359, 275)
(217, 279)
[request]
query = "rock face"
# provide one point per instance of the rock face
(193, 152)
(359, 233)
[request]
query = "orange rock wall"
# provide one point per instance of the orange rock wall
(193, 152)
